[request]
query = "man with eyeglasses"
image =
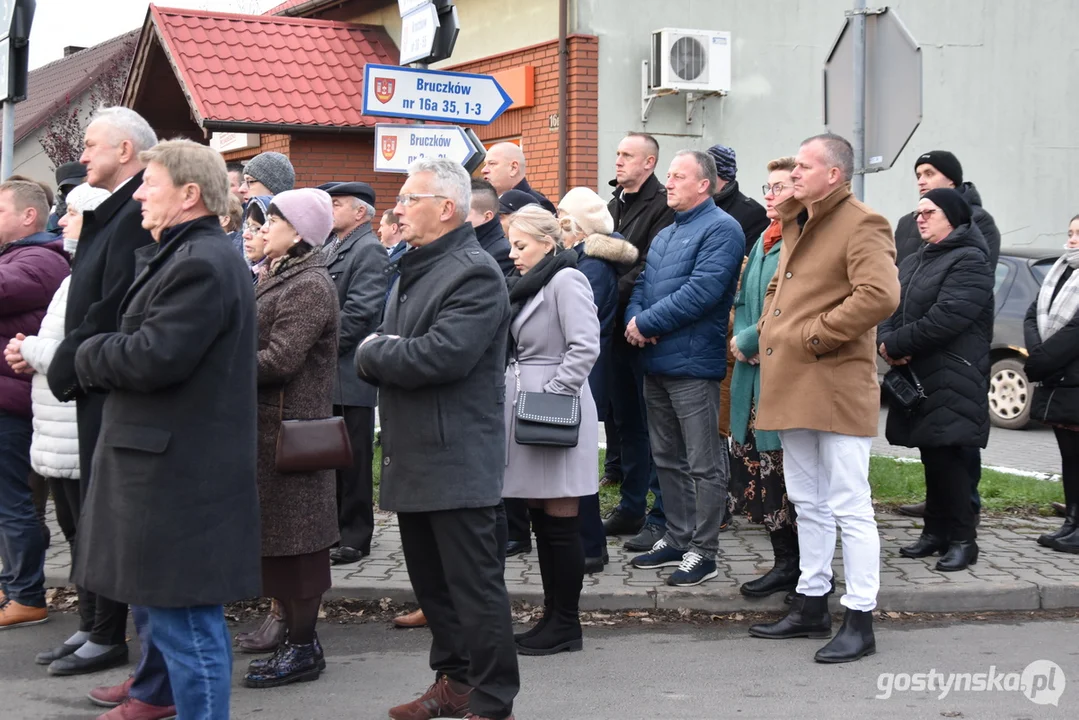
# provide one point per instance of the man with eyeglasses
(267, 173)
(748, 212)
(439, 359)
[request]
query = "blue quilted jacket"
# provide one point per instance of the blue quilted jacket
(684, 295)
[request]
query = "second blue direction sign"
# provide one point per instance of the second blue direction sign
(393, 91)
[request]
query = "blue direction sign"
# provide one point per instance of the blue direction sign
(392, 91)
(398, 146)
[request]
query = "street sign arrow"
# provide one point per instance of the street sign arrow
(392, 91)
(398, 146)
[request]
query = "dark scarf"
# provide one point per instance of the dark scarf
(523, 287)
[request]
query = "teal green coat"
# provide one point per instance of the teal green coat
(746, 383)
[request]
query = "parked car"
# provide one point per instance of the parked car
(1020, 272)
(1019, 276)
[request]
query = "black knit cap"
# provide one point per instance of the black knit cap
(945, 163)
(954, 206)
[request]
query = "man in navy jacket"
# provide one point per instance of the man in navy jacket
(678, 313)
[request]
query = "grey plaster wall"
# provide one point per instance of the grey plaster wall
(1001, 91)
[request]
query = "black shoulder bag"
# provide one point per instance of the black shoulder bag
(545, 419)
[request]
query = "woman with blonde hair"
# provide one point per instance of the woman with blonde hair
(554, 342)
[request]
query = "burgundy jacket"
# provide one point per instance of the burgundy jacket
(31, 270)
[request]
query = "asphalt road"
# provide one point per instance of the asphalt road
(660, 671)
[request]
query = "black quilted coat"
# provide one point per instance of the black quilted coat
(944, 324)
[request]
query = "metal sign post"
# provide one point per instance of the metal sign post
(16, 17)
(874, 101)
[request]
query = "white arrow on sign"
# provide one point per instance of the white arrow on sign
(398, 146)
(418, 31)
(392, 91)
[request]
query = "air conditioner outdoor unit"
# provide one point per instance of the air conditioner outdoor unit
(693, 60)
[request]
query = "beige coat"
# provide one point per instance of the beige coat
(836, 282)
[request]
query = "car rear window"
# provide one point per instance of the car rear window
(1041, 269)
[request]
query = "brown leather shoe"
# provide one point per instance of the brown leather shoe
(109, 696)
(266, 639)
(133, 709)
(440, 701)
(14, 614)
(411, 620)
(916, 510)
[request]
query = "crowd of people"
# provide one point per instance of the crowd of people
(174, 346)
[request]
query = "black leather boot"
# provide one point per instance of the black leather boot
(562, 630)
(853, 641)
(1071, 524)
(808, 617)
(261, 664)
(543, 552)
(1068, 543)
(925, 546)
(783, 577)
(290, 664)
(961, 553)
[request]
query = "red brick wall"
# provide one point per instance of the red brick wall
(321, 157)
(539, 139)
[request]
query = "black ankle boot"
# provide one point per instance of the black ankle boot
(260, 664)
(290, 664)
(783, 576)
(560, 629)
(853, 641)
(808, 617)
(543, 553)
(925, 546)
(1068, 543)
(1071, 524)
(961, 553)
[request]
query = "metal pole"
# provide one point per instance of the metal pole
(8, 152)
(858, 141)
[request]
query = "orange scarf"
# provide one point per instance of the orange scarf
(772, 235)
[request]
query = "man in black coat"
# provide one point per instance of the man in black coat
(171, 520)
(102, 272)
(440, 360)
(941, 169)
(505, 170)
(483, 214)
(640, 211)
(357, 262)
(749, 213)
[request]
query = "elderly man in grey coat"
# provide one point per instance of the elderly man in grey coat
(439, 359)
(357, 263)
(171, 519)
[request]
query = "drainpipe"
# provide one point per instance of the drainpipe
(563, 95)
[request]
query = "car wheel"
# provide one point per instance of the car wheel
(1010, 394)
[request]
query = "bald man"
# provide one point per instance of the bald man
(505, 169)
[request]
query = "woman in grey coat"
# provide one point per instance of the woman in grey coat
(297, 360)
(554, 340)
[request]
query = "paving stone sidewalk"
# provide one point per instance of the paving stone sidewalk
(1013, 573)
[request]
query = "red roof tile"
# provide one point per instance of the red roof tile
(246, 69)
(52, 86)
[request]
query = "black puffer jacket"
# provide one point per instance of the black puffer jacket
(1055, 364)
(749, 213)
(944, 323)
(908, 239)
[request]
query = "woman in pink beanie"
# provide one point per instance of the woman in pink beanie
(297, 362)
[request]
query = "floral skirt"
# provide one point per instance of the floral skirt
(758, 489)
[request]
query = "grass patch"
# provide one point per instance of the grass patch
(895, 482)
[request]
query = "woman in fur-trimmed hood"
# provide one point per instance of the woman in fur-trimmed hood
(603, 257)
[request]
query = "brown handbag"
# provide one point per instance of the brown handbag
(305, 446)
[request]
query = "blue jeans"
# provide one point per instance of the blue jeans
(638, 471)
(22, 546)
(151, 677)
(198, 652)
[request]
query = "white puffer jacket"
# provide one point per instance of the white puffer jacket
(54, 451)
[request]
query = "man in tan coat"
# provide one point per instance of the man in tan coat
(835, 282)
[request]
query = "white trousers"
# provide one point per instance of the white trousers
(827, 479)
